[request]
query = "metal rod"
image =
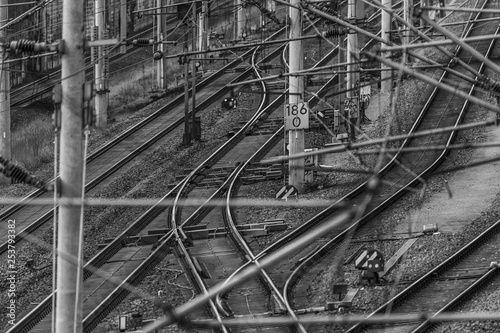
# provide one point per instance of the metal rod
(476, 54)
(439, 43)
(452, 24)
(193, 71)
(350, 319)
(19, 4)
(425, 37)
(252, 270)
(271, 42)
(456, 9)
(344, 147)
(364, 32)
(425, 148)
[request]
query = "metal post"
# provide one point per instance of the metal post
(5, 145)
(164, 48)
(352, 68)
(159, 35)
(296, 137)
(408, 17)
(423, 3)
(43, 19)
(68, 313)
(341, 59)
(186, 138)
(385, 75)
(193, 70)
(123, 24)
(101, 81)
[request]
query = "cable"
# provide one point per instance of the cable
(80, 241)
(54, 229)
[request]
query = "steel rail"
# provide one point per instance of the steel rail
(203, 210)
(426, 278)
(462, 298)
(388, 201)
(177, 101)
(39, 312)
(336, 241)
(358, 190)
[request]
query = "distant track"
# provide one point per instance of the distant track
(441, 110)
(118, 153)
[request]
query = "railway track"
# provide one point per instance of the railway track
(153, 219)
(157, 254)
(28, 93)
(441, 110)
(119, 154)
(456, 280)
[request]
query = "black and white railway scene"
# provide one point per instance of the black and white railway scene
(249, 166)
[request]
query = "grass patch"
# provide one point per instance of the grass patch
(32, 144)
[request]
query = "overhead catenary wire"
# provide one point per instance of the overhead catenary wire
(252, 323)
(351, 146)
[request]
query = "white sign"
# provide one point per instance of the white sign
(365, 95)
(296, 116)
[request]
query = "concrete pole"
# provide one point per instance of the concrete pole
(5, 145)
(101, 98)
(193, 71)
(68, 313)
(159, 34)
(43, 19)
(296, 89)
(385, 75)
(164, 37)
(123, 24)
(203, 35)
(423, 3)
(240, 20)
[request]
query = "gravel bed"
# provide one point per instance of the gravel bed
(141, 181)
(169, 286)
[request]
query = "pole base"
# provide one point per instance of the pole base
(186, 139)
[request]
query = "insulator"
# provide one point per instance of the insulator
(335, 32)
(15, 172)
(142, 42)
(263, 10)
(26, 45)
(495, 88)
(329, 11)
